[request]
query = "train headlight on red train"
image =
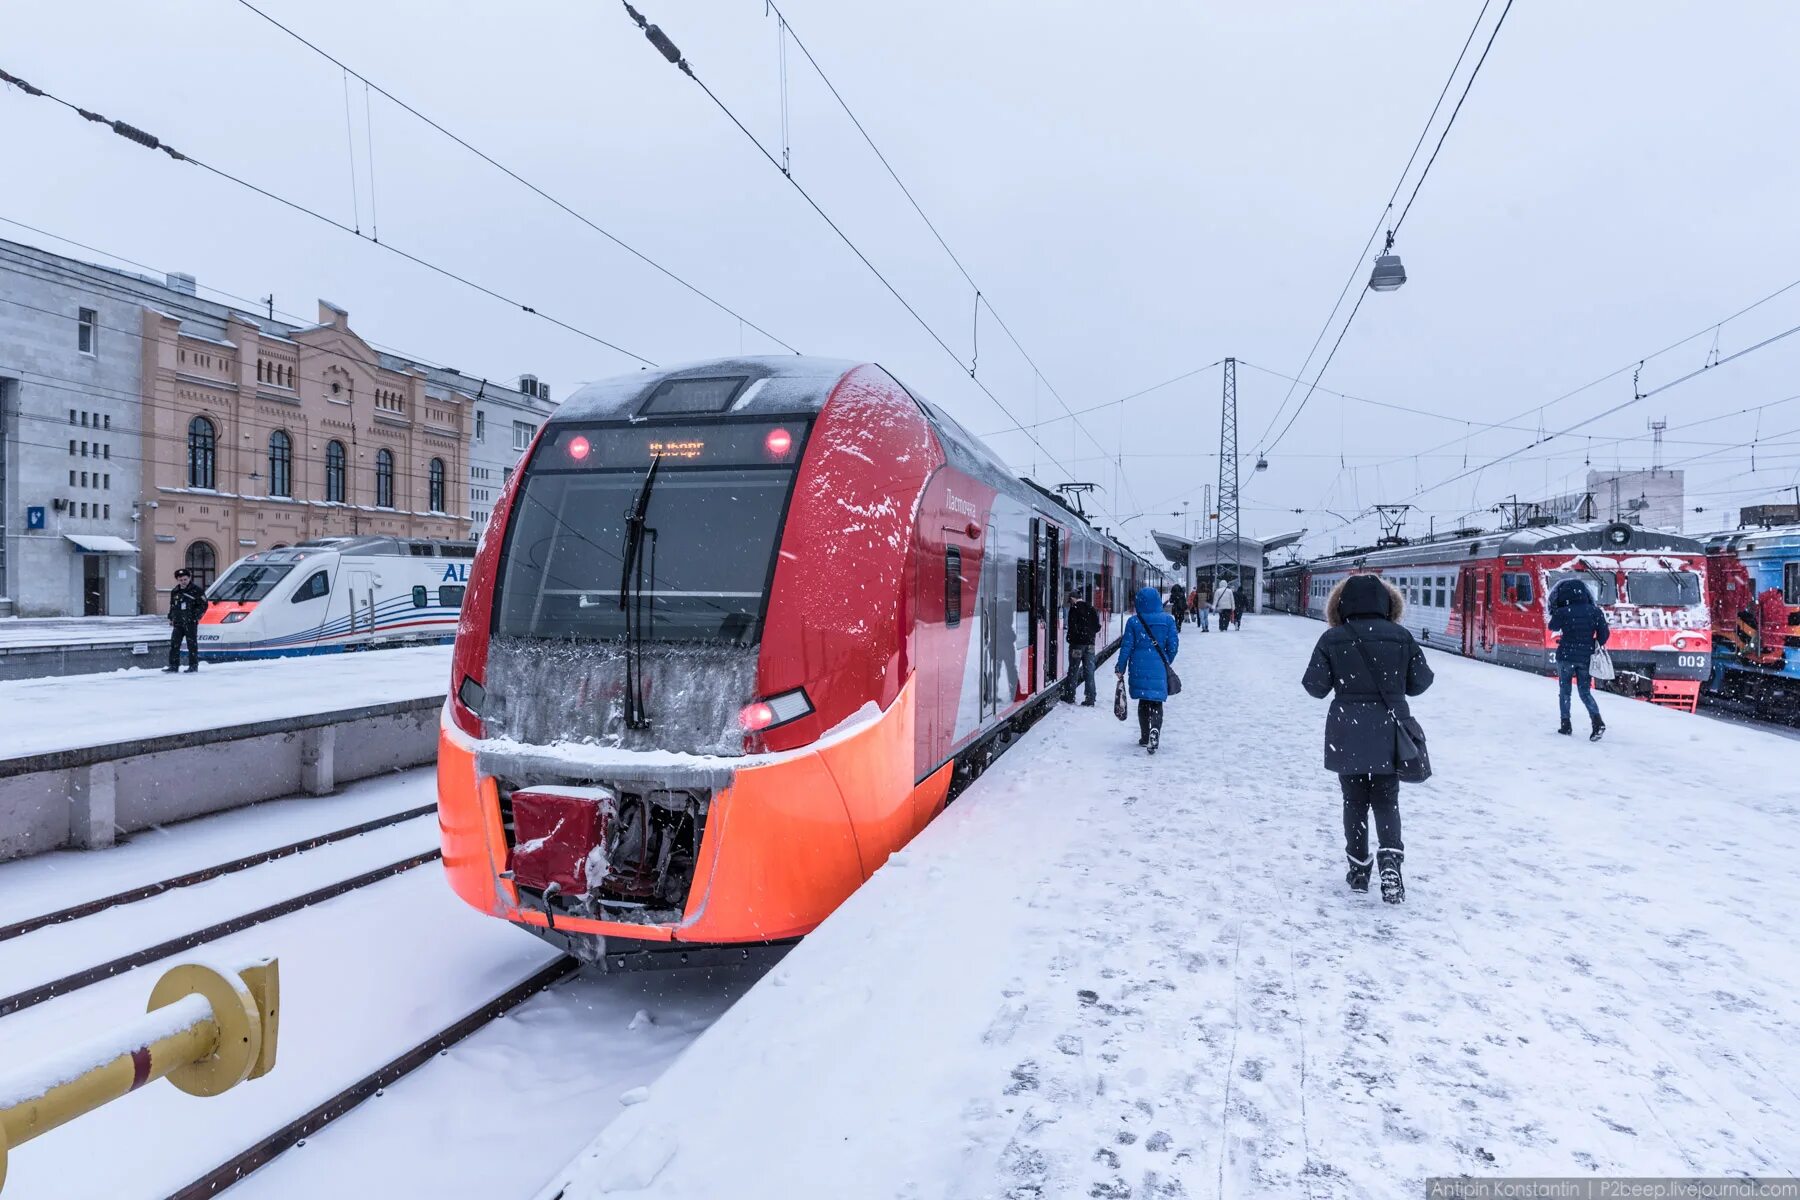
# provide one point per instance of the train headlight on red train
(778, 443)
(232, 618)
(776, 710)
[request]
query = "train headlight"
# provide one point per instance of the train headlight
(778, 443)
(776, 710)
(232, 618)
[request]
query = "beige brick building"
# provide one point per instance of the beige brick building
(259, 435)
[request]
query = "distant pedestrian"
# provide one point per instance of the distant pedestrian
(1574, 614)
(1225, 602)
(187, 603)
(1202, 611)
(1148, 648)
(1372, 664)
(1178, 605)
(1083, 628)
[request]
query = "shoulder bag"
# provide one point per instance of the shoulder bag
(1174, 684)
(1601, 665)
(1412, 762)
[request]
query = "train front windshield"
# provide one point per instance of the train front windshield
(1662, 589)
(705, 562)
(249, 582)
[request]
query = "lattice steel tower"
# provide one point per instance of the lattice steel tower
(1228, 481)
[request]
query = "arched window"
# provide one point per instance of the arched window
(203, 561)
(334, 472)
(281, 464)
(436, 478)
(203, 441)
(384, 479)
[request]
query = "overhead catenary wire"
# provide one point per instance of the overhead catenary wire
(667, 48)
(152, 142)
(518, 178)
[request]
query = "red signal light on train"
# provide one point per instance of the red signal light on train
(778, 443)
(756, 716)
(579, 448)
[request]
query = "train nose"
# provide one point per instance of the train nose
(227, 612)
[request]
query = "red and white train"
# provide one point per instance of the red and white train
(1484, 595)
(733, 634)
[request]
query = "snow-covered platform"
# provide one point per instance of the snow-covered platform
(32, 647)
(1102, 974)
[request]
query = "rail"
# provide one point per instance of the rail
(207, 1030)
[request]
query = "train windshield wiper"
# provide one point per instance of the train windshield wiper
(631, 598)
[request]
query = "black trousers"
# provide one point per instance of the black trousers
(1361, 793)
(1149, 717)
(191, 635)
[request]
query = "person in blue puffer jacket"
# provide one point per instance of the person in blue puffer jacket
(1146, 671)
(1574, 614)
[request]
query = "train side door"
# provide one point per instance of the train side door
(1034, 606)
(1053, 604)
(1466, 610)
(996, 603)
(1486, 602)
(362, 602)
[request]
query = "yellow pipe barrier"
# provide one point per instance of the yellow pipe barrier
(207, 1030)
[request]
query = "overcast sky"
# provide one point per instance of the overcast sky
(1139, 188)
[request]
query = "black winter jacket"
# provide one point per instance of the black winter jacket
(1581, 622)
(1360, 731)
(1084, 624)
(187, 604)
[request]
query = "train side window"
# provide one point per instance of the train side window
(1790, 583)
(952, 587)
(1022, 587)
(420, 596)
(317, 586)
(450, 595)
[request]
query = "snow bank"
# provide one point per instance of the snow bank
(1104, 974)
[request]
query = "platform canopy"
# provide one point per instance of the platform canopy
(1196, 553)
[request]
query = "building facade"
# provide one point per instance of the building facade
(147, 429)
(1654, 499)
(506, 419)
(70, 442)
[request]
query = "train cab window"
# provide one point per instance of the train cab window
(1603, 586)
(249, 582)
(1662, 589)
(317, 586)
(420, 596)
(450, 595)
(953, 587)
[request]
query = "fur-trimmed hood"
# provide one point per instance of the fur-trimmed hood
(1364, 596)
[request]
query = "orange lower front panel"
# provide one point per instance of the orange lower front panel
(783, 845)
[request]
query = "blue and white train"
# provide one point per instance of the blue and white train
(337, 593)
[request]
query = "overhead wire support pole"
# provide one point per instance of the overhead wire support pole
(1228, 478)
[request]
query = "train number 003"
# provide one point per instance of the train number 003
(1696, 661)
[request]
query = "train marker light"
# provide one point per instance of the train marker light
(778, 443)
(776, 710)
(579, 448)
(757, 717)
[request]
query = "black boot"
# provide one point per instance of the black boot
(1358, 874)
(1393, 888)
(1599, 730)
(1566, 727)
(1155, 738)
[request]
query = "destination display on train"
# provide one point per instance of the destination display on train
(721, 444)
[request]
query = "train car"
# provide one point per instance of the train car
(334, 594)
(1285, 588)
(734, 635)
(1753, 579)
(1484, 596)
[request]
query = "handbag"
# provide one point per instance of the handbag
(1412, 761)
(1121, 709)
(1601, 665)
(1174, 680)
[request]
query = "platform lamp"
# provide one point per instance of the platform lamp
(1388, 274)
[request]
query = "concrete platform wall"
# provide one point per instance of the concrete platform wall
(87, 797)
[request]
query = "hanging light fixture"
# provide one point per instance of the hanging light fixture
(1262, 464)
(1388, 274)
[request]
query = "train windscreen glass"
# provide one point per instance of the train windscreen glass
(1662, 589)
(249, 582)
(1600, 584)
(705, 561)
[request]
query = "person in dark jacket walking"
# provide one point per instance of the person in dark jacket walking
(1149, 645)
(1083, 627)
(1365, 656)
(1178, 605)
(187, 603)
(1574, 614)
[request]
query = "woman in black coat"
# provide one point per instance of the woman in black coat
(1364, 656)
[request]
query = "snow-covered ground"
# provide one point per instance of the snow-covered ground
(43, 715)
(1101, 974)
(18, 633)
(364, 977)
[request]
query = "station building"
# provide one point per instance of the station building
(146, 428)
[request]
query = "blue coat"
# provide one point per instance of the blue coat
(1147, 679)
(1574, 614)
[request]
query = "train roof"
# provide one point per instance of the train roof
(1779, 537)
(1539, 539)
(380, 544)
(786, 385)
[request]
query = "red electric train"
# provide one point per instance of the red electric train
(735, 632)
(1483, 595)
